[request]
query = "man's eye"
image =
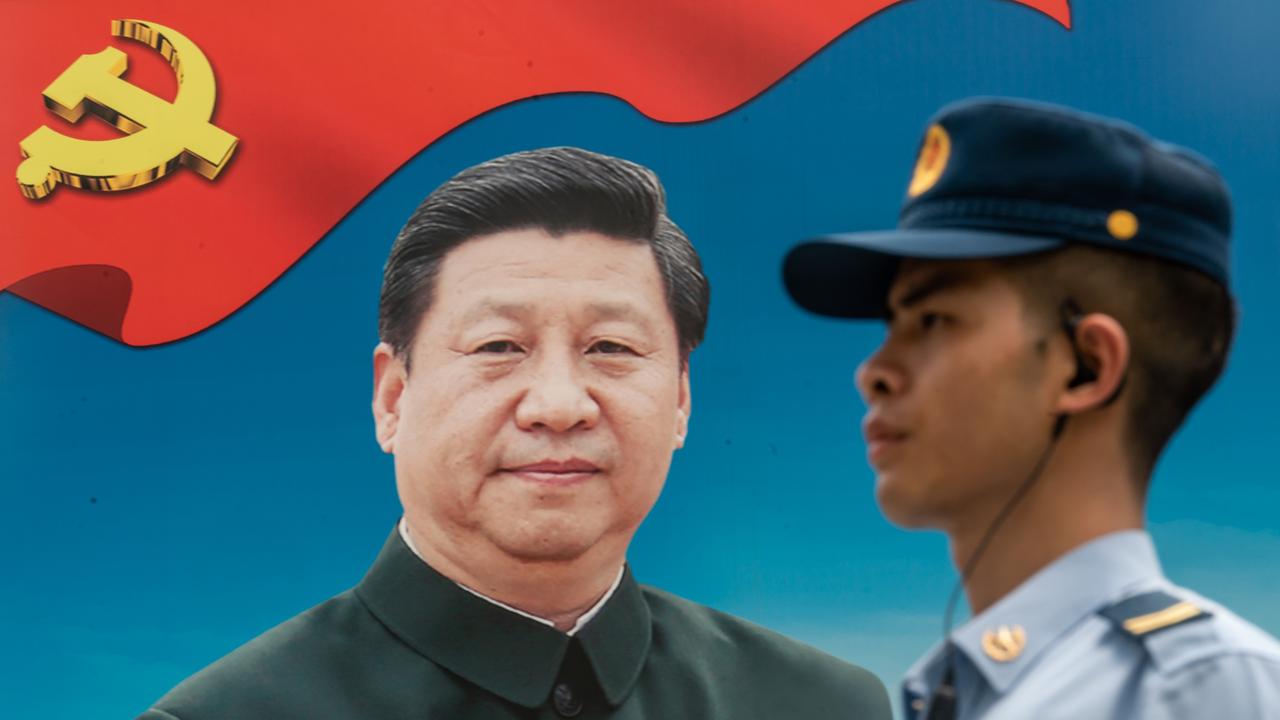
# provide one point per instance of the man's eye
(498, 346)
(930, 320)
(609, 347)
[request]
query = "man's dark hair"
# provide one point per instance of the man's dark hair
(560, 190)
(1180, 324)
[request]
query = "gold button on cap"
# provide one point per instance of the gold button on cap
(1122, 224)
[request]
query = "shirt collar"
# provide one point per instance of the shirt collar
(580, 623)
(513, 656)
(1045, 606)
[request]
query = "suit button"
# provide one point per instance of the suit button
(567, 702)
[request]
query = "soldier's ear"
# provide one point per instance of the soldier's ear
(389, 378)
(1101, 349)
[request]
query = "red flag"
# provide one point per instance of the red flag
(324, 105)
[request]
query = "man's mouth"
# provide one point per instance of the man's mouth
(555, 472)
(882, 439)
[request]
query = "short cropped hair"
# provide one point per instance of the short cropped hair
(1180, 324)
(560, 190)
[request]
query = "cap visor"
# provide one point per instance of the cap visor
(849, 275)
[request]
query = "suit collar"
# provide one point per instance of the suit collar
(514, 657)
(617, 640)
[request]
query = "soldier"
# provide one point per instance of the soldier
(1057, 300)
(537, 316)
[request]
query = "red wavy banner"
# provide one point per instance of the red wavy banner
(321, 107)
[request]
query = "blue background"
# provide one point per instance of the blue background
(162, 506)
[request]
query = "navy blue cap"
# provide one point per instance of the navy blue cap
(1001, 177)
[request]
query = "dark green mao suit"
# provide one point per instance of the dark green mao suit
(409, 644)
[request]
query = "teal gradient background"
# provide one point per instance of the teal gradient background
(164, 505)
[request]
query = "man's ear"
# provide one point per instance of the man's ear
(1103, 349)
(389, 378)
(684, 407)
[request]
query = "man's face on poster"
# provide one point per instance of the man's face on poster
(543, 397)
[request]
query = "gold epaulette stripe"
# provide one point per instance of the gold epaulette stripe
(1174, 614)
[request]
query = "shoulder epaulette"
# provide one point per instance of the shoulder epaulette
(1151, 612)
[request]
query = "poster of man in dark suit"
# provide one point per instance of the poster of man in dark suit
(537, 317)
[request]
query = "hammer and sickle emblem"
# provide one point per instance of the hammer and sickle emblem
(161, 135)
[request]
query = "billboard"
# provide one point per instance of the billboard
(204, 197)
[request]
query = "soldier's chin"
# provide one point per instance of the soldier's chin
(902, 502)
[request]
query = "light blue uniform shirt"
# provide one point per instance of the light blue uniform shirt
(1058, 647)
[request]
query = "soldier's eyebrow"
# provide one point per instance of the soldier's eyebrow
(931, 284)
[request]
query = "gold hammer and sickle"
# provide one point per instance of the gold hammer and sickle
(161, 136)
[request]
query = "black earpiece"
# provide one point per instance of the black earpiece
(1071, 317)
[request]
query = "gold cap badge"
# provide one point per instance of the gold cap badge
(934, 154)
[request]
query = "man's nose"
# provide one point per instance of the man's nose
(558, 397)
(879, 377)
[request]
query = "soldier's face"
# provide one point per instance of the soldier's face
(544, 399)
(959, 402)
